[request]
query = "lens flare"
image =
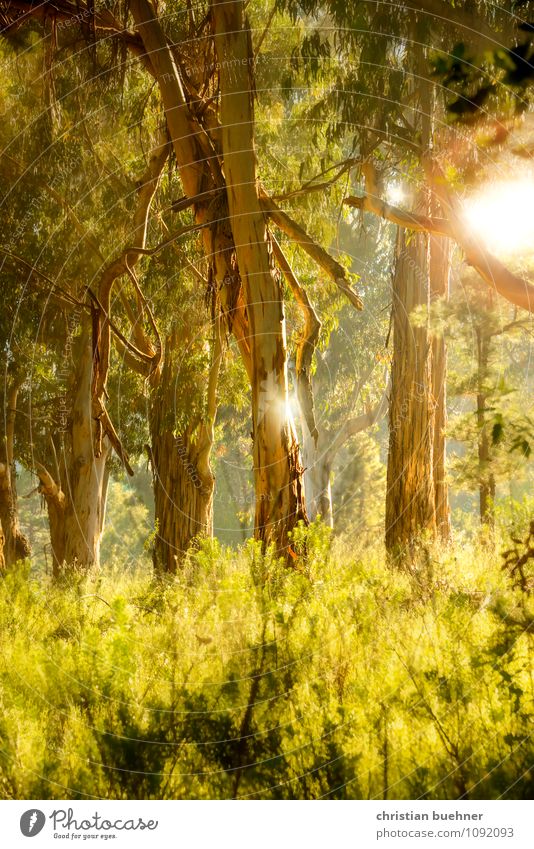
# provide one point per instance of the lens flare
(501, 215)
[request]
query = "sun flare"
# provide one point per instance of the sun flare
(502, 216)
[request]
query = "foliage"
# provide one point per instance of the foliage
(242, 678)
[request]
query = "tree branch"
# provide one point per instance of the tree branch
(306, 344)
(513, 288)
(313, 186)
(409, 220)
(297, 234)
(360, 423)
(49, 488)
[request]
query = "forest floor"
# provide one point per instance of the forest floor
(241, 678)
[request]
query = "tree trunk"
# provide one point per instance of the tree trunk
(277, 467)
(15, 545)
(87, 478)
(410, 497)
(183, 499)
(183, 481)
(317, 471)
(486, 477)
(76, 503)
(440, 263)
(241, 270)
(55, 504)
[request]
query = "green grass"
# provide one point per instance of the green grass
(241, 678)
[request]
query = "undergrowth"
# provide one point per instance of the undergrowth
(241, 678)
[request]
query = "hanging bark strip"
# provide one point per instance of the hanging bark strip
(319, 447)
(306, 344)
(200, 171)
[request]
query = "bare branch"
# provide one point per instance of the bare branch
(360, 423)
(409, 220)
(297, 234)
(313, 186)
(307, 342)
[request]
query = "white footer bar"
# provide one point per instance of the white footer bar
(268, 824)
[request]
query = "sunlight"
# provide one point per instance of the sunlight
(501, 215)
(395, 194)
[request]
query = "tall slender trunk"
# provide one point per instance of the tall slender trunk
(440, 263)
(55, 504)
(320, 447)
(486, 488)
(87, 477)
(277, 466)
(410, 497)
(76, 502)
(15, 545)
(183, 480)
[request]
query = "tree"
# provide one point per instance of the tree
(14, 545)
(410, 499)
(246, 281)
(486, 374)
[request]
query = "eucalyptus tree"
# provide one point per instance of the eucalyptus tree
(181, 368)
(376, 100)
(62, 211)
(203, 66)
(413, 125)
(490, 380)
